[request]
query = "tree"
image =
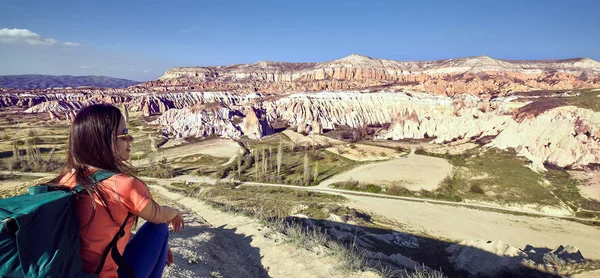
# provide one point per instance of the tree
(270, 166)
(316, 172)
(255, 163)
(163, 169)
(279, 156)
(34, 157)
(16, 152)
(264, 161)
(306, 169)
(239, 166)
(151, 162)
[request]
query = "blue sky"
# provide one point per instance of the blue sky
(142, 39)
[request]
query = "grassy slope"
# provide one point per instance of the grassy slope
(492, 175)
(504, 177)
(586, 99)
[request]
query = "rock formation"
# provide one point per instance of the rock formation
(472, 75)
(564, 136)
(574, 140)
(494, 258)
(199, 121)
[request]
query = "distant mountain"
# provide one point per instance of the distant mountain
(39, 81)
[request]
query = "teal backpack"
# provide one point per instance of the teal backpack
(39, 234)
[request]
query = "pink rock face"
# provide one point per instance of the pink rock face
(472, 75)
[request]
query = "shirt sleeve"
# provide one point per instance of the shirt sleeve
(132, 193)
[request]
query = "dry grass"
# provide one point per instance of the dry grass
(21, 184)
(274, 206)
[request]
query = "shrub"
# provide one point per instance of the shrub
(400, 149)
(372, 188)
(421, 151)
(586, 214)
(590, 204)
(316, 156)
(476, 189)
(160, 170)
(397, 190)
(35, 141)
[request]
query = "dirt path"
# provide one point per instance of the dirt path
(238, 246)
(202, 250)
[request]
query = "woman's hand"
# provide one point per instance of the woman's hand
(177, 222)
(169, 257)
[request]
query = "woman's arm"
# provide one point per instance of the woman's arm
(158, 214)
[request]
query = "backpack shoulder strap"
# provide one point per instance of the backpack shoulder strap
(97, 176)
(117, 257)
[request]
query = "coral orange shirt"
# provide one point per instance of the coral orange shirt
(123, 194)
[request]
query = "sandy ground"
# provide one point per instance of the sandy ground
(460, 223)
(238, 246)
(415, 172)
(215, 147)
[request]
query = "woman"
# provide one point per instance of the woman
(99, 140)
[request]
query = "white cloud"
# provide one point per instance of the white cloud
(28, 37)
(86, 67)
(74, 44)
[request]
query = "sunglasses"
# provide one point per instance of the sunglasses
(125, 136)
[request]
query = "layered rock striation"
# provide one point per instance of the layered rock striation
(471, 75)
